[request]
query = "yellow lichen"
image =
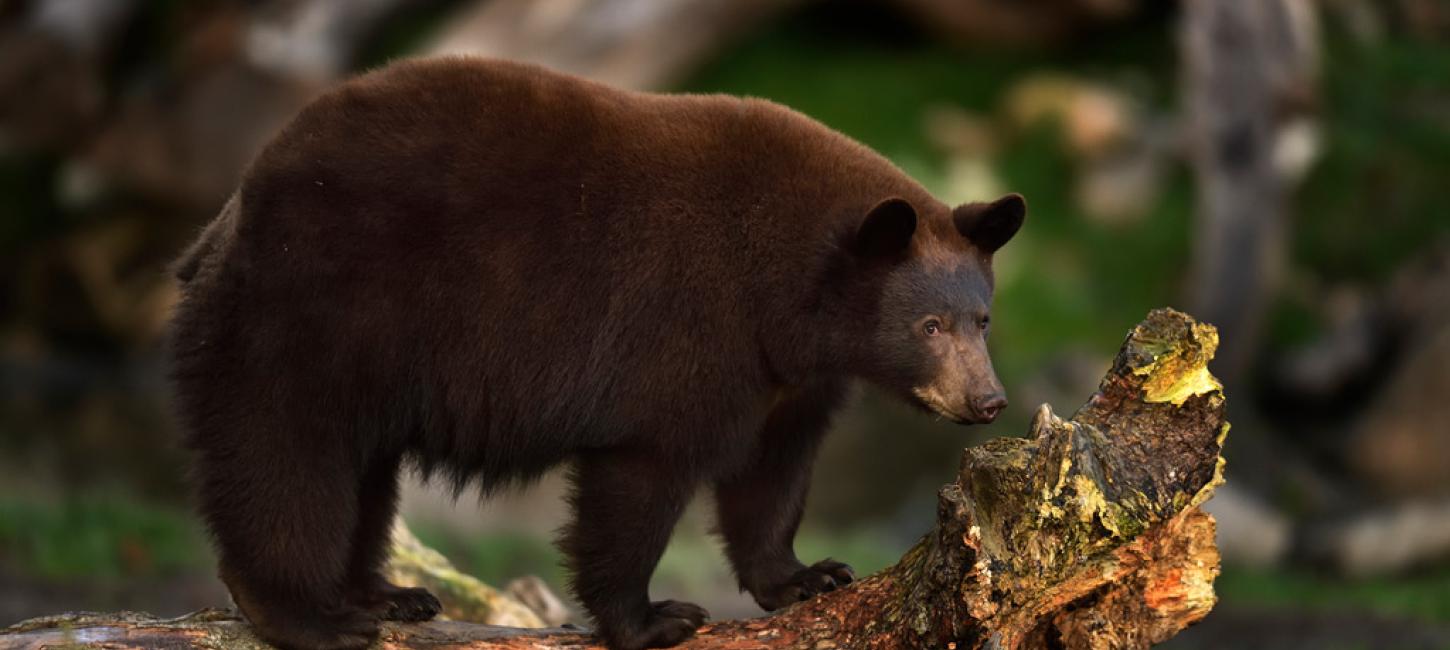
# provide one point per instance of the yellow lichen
(1181, 371)
(1091, 502)
(1206, 492)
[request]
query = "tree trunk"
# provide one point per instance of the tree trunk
(1249, 73)
(1085, 534)
(643, 45)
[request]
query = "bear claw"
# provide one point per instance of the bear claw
(691, 612)
(821, 577)
(411, 605)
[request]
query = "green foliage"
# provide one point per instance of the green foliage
(866, 550)
(1378, 194)
(98, 537)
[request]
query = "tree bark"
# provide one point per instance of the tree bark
(1087, 533)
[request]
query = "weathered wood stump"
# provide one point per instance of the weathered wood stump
(1085, 534)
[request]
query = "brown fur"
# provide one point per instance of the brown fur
(486, 269)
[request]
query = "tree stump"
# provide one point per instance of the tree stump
(1087, 533)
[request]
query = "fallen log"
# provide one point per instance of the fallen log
(1087, 533)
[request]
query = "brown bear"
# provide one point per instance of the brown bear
(481, 270)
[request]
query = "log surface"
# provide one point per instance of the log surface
(1086, 533)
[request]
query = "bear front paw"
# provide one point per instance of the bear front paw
(411, 605)
(393, 603)
(805, 584)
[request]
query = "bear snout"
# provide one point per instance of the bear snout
(986, 409)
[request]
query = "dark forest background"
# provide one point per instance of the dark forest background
(125, 123)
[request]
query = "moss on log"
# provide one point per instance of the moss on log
(464, 597)
(1087, 533)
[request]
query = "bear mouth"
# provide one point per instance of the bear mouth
(929, 400)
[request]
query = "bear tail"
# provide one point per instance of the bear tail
(212, 238)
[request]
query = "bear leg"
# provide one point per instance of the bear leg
(625, 506)
(371, 543)
(283, 526)
(759, 508)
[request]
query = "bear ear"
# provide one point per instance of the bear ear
(887, 229)
(990, 225)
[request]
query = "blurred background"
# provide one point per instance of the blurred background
(1280, 168)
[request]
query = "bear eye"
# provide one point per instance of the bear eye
(931, 327)
(986, 320)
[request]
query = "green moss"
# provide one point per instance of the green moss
(1128, 526)
(495, 558)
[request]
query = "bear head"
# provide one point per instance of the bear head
(929, 278)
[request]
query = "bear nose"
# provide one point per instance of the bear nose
(989, 407)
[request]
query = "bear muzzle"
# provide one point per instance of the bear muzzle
(985, 410)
